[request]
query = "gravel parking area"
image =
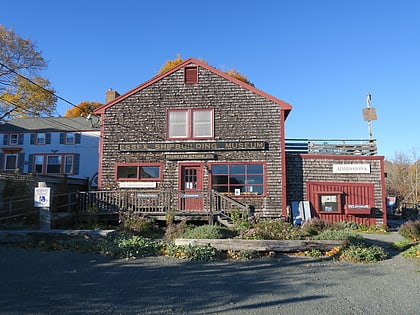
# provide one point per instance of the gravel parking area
(36, 282)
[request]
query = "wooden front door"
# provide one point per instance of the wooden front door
(191, 194)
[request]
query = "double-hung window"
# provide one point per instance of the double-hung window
(10, 163)
(40, 138)
(53, 164)
(14, 139)
(238, 178)
(190, 124)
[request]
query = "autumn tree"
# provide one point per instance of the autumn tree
(82, 109)
(232, 72)
(402, 178)
(23, 92)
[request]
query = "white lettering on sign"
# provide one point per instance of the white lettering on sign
(42, 197)
(351, 168)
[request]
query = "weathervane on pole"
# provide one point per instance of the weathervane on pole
(369, 114)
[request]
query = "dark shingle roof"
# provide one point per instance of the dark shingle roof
(50, 124)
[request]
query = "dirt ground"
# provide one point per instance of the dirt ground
(36, 282)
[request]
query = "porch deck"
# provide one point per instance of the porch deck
(157, 204)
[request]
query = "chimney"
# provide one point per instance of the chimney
(111, 95)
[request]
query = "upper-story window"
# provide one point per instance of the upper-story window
(190, 124)
(40, 138)
(14, 139)
(70, 137)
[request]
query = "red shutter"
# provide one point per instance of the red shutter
(191, 75)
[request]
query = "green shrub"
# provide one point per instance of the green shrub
(209, 231)
(410, 230)
(126, 246)
(239, 219)
(272, 230)
(361, 253)
(412, 252)
(193, 253)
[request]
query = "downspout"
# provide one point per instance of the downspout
(283, 164)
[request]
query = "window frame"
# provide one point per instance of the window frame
(10, 139)
(60, 164)
(138, 177)
(66, 137)
(37, 138)
(65, 164)
(339, 201)
(6, 155)
(249, 192)
(189, 124)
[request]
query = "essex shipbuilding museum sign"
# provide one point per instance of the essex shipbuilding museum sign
(191, 146)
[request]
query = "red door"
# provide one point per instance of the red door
(192, 194)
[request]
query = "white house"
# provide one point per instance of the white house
(50, 146)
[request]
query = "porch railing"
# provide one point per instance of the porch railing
(331, 146)
(159, 202)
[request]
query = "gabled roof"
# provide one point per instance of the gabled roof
(49, 124)
(283, 105)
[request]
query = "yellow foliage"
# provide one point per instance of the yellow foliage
(233, 73)
(171, 64)
(82, 109)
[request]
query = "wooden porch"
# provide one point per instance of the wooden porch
(183, 205)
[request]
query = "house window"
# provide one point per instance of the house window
(237, 178)
(330, 202)
(70, 138)
(53, 164)
(14, 139)
(10, 162)
(40, 138)
(39, 164)
(139, 172)
(68, 164)
(191, 75)
(190, 124)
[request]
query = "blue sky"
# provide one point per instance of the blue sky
(321, 56)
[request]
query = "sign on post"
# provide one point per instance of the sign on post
(42, 197)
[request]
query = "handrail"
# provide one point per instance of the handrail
(331, 146)
(223, 204)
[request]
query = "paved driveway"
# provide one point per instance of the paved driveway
(36, 282)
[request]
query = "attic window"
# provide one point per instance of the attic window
(191, 75)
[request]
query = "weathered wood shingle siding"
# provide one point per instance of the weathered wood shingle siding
(239, 114)
(303, 169)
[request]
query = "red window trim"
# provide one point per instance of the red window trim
(264, 185)
(160, 165)
(45, 163)
(190, 112)
(339, 195)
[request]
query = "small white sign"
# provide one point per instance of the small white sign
(351, 168)
(137, 184)
(42, 197)
(237, 192)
